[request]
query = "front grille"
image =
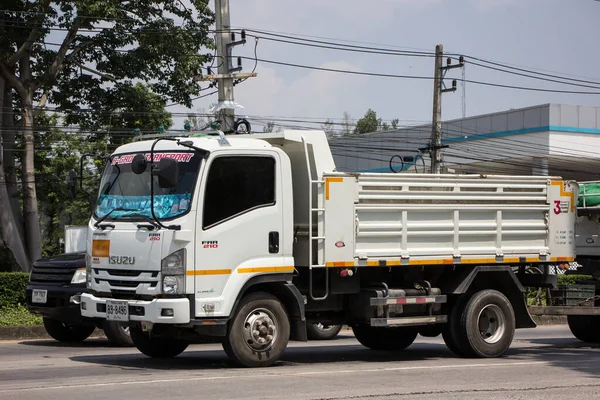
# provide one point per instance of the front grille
(128, 284)
(51, 275)
(124, 282)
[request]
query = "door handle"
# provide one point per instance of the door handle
(273, 242)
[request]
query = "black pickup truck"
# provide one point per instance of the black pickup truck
(53, 292)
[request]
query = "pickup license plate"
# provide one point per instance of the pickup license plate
(39, 296)
(117, 310)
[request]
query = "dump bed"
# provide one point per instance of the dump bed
(421, 219)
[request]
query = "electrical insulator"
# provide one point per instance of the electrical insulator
(448, 61)
(454, 84)
(240, 62)
(243, 35)
(209, 70)
(233, 36)
(461, 59)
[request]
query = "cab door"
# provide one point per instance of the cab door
(239, 228)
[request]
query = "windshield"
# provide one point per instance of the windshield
(121, 188)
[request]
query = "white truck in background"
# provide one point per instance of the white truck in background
(246, 239)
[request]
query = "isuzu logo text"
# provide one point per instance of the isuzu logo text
(122, 260)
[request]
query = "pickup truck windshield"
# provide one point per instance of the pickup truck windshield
(120, 187)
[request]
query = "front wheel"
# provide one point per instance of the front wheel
(156, 347)
(585, 327)
(117, 333)
(259, 331)
(483, 325)
(322, 332)
(67, 332)
(379, 338)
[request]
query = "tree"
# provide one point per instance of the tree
(269, 128)
(156, 41)
(368, 123)
(199, 122)
(395, 122)
(329, 128)
(347, 125)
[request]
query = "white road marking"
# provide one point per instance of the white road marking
(271, 375)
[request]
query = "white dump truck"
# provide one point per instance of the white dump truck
(245, 239)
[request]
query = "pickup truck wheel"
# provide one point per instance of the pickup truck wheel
(117, 333)
(585, 327)
(259, 331)
(322, 332)
(379, 338)
(156, 347)
(67, 332)
(487, 325)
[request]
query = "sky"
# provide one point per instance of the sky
(551, 36)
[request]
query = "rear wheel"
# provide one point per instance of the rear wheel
(585, 327)
(483, 326)
(379, 338)
(156, 347)
(322, 332)
(449, 333)
(67, 332)
(259, 331)
(117, 333)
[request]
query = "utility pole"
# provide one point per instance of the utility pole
(226, 72)
(436, 124)
(439, 87)
(225, 84)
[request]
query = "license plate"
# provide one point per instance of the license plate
(117, 310)
(39, 296)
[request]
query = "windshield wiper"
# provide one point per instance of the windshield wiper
(97, 224)
(148, 219)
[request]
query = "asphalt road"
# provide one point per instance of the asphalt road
(543, 363)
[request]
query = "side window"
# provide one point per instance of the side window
(236, 185)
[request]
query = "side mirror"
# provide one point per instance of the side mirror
(167, 172)
(139, 164)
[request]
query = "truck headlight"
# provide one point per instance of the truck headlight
(80, 276)
(173, 285)
(174, 263)
(173, 272)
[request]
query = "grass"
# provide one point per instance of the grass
(18, 316)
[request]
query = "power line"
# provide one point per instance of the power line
(384, 75)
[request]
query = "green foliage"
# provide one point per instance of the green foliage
(570, 279)
(368, 123)
(18, 316)
(12, 289)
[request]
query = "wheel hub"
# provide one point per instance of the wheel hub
(260, 330)
(492, 323)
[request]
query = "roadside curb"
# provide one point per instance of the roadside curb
(550, 319)
(38, 332)
(33, 332)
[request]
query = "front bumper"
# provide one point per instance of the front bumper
(58, 304)
(140, 310)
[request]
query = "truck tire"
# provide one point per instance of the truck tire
(483, 326)
(585, 327)
(258, 332)
(156, 347)
(379, 338)
(67, 332)
(322, 332)
(449, 332)
(117, 333)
